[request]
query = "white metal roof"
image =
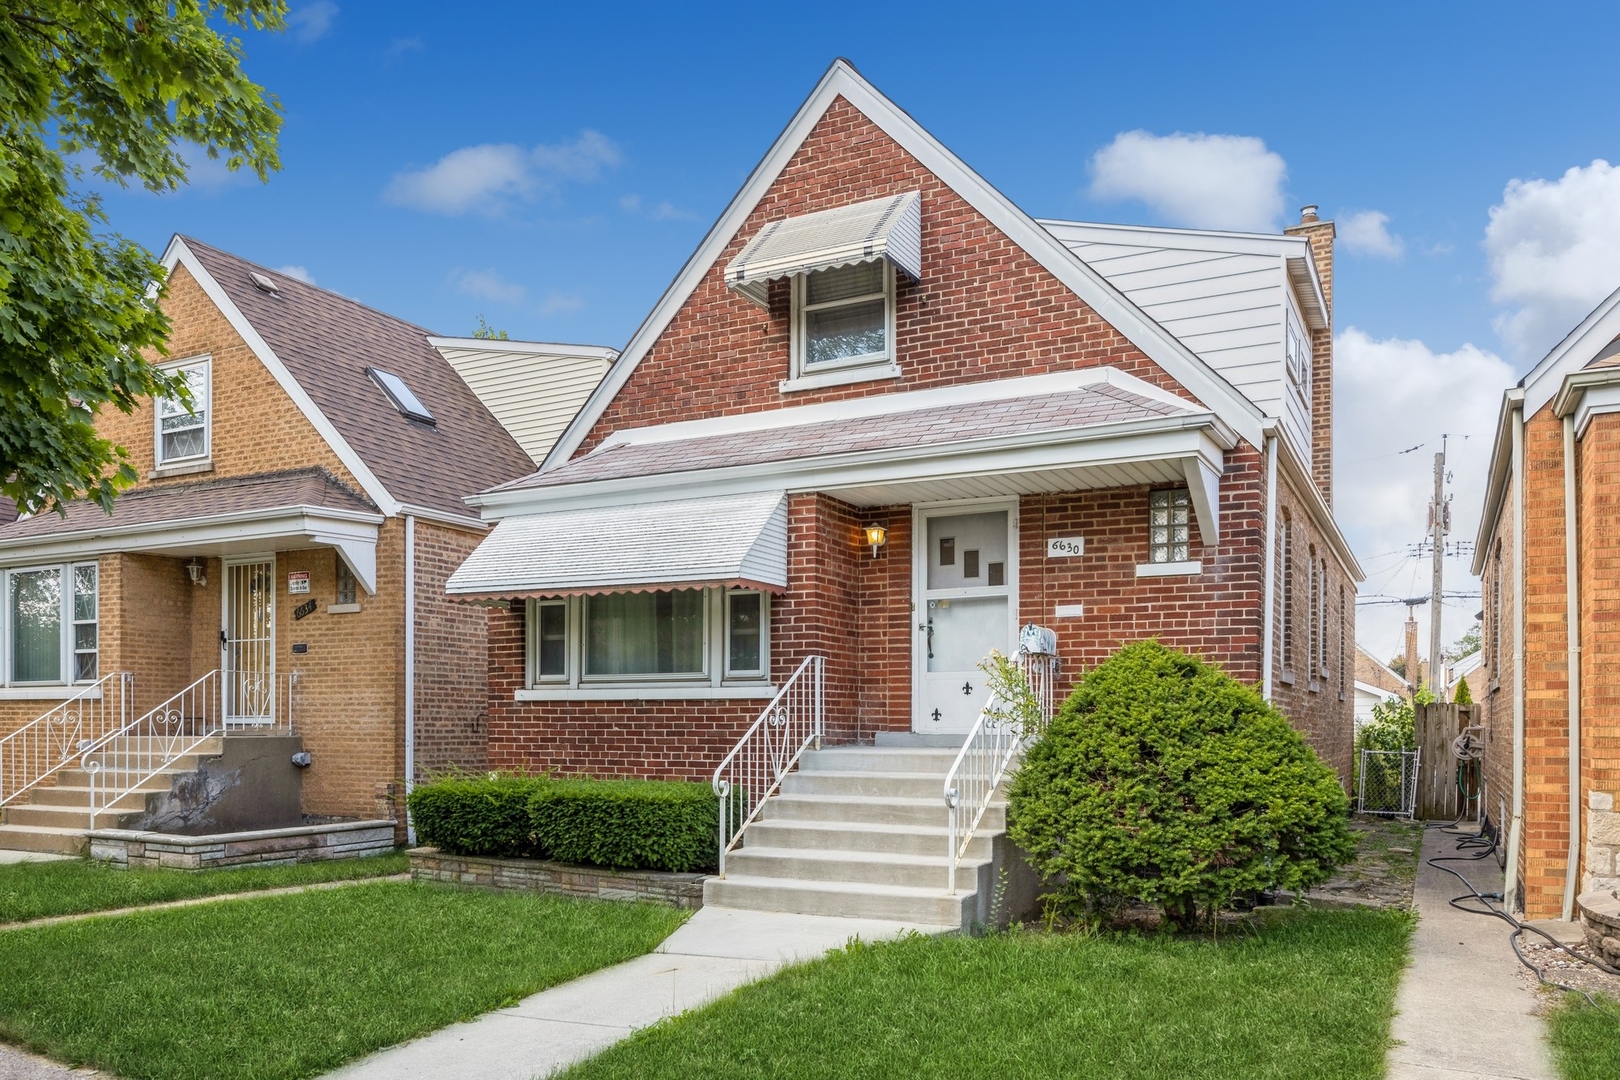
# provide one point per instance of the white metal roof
(889, 228)
(685, 543)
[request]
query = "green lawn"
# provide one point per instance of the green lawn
(1311, 994)
(293, 985)
(37, 889)
(1586, 1041)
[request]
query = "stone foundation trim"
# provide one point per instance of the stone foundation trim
(125, 849)
(1600, 913)
(557, 879)
(1602, 844)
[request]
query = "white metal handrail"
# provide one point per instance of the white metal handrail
(992, 743)
(751, 773)
(48, 743)
(221, 701)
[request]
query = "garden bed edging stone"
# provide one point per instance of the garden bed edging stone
(124, 849)
(558, 879)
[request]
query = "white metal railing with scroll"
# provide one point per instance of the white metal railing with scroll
(751, 773)
(995, 739)
(48, 743)
(121, 761)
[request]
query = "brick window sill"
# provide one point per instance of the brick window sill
(1287, 678)
(342, 609)
(1168, 569)
(642, 693)
(187, 468)
(44, 693)
(840, 378)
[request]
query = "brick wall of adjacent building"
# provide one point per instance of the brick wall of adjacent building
(1598, 474)
(452, 688)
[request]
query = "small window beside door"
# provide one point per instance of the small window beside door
(1169, 535)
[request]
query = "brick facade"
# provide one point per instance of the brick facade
(984, 309)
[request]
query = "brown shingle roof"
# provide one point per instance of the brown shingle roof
(328, 341)
(207, 498)
(1087, 407)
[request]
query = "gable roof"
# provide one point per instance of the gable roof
(842, 80)
(319, 345)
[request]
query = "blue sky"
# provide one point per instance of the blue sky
(625, 130)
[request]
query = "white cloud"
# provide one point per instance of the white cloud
(1554, 249)
(486, 179)
(557, 303)
(664, 210)
(310, 22)
(488, 285)
(401, 46)
(210, 174)
(1366, 232)
(297, 273)
(1388, 395)
(1194, 179)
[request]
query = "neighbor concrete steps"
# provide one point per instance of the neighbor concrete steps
(861, 831)
(55, 815)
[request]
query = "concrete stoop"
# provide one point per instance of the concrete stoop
(861, 832)
(55, 816)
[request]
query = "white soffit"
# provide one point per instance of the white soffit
(687, 543)
(889, 228)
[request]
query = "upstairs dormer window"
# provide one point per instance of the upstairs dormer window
(843, 318)
(182, 433)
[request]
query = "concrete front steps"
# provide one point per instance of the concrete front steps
(55, 816)
(861, 832)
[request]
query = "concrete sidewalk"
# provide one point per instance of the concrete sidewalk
(1463, 1012)
(716, 951)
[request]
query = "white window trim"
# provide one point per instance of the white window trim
(870, 365)
(715, 681)
(180, 465)
(66, 686)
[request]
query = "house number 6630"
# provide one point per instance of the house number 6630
(1065, 547)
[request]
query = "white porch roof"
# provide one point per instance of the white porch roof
(732, 540)
(889, 228)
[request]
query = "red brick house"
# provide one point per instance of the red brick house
(1546, 556)
(278, 568)
(885, 418)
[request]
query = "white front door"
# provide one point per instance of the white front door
(966, 586)
(248, 641)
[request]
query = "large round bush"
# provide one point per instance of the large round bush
(1163, 779)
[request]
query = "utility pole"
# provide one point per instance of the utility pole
(1439, 525)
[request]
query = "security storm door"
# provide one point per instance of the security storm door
(967, 606)
(248, 642)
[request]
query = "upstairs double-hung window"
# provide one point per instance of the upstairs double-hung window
(844, 317)
(182, 431)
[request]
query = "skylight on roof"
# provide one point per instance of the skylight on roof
(400, 394)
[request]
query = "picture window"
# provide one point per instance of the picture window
(50, 627)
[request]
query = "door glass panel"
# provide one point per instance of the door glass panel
(952, 539)
(964, 630)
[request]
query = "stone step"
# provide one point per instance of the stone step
(900, 903)
(887, 739)
(921, 760)
(860, 836)
(873, 810)
(30, 838)
(78, 793)
(865, 867)
(886, 784)
(45, 816)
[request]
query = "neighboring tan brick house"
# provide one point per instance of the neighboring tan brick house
(1115, 432)
(266, 551)
(1557, 450)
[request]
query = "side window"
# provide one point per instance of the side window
(347, 587)
(745, 634)
(1169, 525)
(1285, 542)
(183, 433)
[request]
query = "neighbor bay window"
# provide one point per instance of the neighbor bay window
(50, 627)
(647, 639)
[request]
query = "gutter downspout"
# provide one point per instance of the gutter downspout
(1510, 888)
(1573, 633)
(1267, 631)
(410, 672)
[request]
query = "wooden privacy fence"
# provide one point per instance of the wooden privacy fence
(1447, 788)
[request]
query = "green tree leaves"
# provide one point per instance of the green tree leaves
(120, 88)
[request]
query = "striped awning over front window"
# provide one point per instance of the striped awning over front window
(889, 228)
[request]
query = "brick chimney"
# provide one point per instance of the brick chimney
(1413, 676)
(1320, 233)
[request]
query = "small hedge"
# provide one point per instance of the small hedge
(623, 824)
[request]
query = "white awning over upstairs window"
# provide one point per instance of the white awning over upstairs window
(881, 229)
(733, 540)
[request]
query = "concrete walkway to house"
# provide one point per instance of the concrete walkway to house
(1463, 1011)
(716, 951)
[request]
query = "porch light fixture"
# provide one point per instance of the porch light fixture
(877, 536)
(194, 570)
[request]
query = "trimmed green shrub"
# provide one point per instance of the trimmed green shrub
(1165, 780)
(1462, 695)
(477, 815)
(627, 824)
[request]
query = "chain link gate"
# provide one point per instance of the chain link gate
(1388, 783)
